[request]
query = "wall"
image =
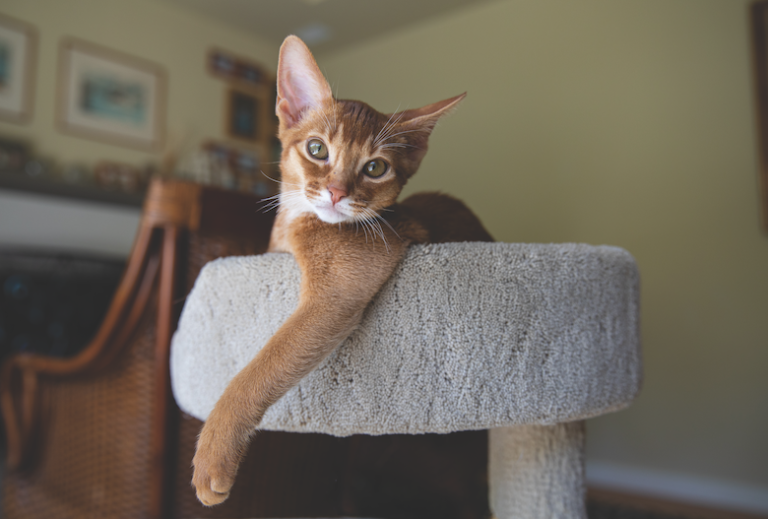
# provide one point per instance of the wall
(176, 39)
(30, 221)
(626, 123)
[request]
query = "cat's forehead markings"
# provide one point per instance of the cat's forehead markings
(360, 121)
(337, 138)
(343, 152)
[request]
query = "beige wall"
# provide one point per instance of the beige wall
(176, 39)
(626, 123)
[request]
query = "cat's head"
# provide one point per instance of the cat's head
(343, 160)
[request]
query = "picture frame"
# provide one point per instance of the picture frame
(18, 55)
(109, 96)
(759, 23)
(245, 112)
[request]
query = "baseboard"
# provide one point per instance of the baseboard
(678, 487)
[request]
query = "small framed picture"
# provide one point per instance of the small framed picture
(244, 113)
(18, 50)
(109, 96)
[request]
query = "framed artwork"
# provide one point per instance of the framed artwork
(244, 113)
(759, 19)
(18, 50)
(109, 96)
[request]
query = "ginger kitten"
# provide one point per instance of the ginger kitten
(343, 166)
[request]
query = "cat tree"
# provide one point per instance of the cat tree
(525, 340)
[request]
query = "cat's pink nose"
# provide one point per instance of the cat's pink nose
(337, 194)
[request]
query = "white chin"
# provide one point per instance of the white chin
(330, 215)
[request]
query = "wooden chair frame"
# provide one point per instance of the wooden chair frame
(171, 209)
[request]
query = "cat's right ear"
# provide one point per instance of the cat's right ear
(301, 86)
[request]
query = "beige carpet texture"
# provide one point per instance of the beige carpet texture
(463, 336)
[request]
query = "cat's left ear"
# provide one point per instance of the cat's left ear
(420, 122)
(301, 86)
(427, 116)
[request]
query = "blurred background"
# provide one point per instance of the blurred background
(629, 123)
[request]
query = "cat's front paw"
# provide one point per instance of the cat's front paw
(211, 490)
(214, 472)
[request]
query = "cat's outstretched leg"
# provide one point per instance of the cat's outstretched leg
(308, 336)
(340, 276)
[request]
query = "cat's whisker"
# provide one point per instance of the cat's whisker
(381, 233)
(386, 136)
(293, 192)
(384, 133)
(371, 218)
(365, 230)
(373, 231)
(389, 225)
(289, 194)
(268, 207)
(397, 145)
(404, 132)
(327, 121)
(335, 110)
(285, 198)
(273, 179)
(270, 203)
(279, 201)
(270, 178)
(300, 189)
(388, 127)
(283, 183)
(372, 227)
(376, 139)
(270, 199)
(364, 221)
(357, 229)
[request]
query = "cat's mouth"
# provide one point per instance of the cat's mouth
(330, 213)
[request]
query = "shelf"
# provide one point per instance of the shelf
(51, 187)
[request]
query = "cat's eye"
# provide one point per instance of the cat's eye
(375, 168)
(317, 149)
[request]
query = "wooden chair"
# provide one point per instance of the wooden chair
(99, 435)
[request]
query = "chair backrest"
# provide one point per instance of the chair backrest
(100, 423)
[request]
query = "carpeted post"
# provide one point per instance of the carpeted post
(537, 471)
